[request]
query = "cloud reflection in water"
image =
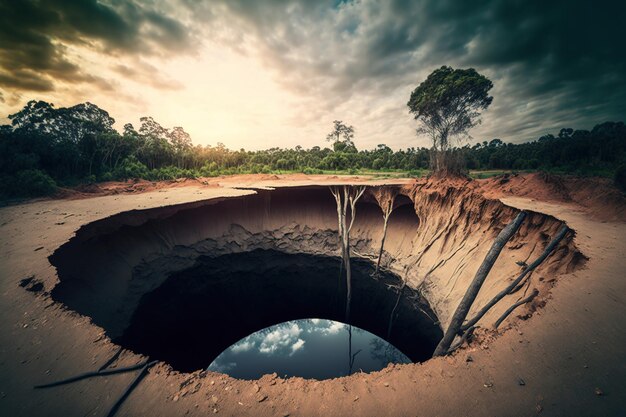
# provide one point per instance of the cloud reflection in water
(310, 348)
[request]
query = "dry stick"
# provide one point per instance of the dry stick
(393, 312)
(477, 282)
(514, 306)
(513, 284)
(130, 388)
(522, 283)
(527, 286)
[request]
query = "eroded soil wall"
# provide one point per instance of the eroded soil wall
(436, 240)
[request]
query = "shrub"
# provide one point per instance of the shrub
(131, 168)
(107, 176)
(27, 183)
(312, 171)
(209, 170)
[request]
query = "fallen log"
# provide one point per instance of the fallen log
(512, 286)
(472, 291)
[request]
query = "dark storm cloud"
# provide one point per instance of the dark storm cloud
(34, 35)
(554, 63)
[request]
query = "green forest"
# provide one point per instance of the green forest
(45, 147)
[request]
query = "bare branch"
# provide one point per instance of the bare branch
(514, 306)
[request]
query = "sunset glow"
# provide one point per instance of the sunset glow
(263, 74)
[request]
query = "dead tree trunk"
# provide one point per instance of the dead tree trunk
(386, 198)
(547, 251)
(346, 198)
(514, 306)
(474, 288)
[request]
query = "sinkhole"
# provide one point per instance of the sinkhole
(194, 284)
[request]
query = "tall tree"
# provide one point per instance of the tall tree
(448, 105)
(341, 136)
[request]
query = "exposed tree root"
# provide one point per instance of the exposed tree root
(345, 199)
(386, 198)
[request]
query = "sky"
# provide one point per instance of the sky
(264, 73)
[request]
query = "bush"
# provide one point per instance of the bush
(27, 183)
(107, 176)
(620, 177)
(209, 170)
(312, 171)
(131, 168)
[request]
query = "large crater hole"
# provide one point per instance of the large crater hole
(199, 312)
(184, 283)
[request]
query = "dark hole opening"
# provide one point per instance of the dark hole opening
(201, 311)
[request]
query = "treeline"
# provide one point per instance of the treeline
(46, 146)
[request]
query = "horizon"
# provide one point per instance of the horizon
(257, 75)
(328, 145)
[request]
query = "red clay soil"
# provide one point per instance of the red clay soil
(567, 359)
(598, 196)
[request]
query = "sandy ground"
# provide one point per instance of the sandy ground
(567, 354)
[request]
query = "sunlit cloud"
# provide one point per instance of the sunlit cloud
(257, 74)
(299, 344)
(285, 336)
(243, 346)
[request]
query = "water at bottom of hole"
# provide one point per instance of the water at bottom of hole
(308, 348)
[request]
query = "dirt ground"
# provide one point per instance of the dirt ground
(568, 359)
